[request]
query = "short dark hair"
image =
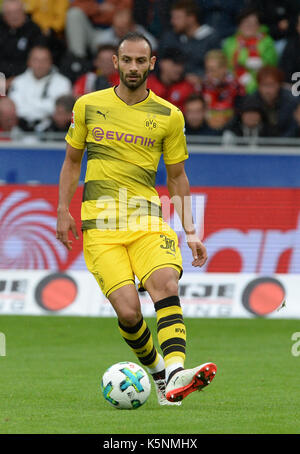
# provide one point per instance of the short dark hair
(174, 54)
(135, 36)
(250, 104)
(42, 47)
(66, 101)
(189, 6)
(270, 71)
(246, 12)
(106, 47)
(195, 97)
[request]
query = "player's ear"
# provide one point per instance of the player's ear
(152, 62)
(115, 61)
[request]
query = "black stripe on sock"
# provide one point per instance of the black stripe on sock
(170, 320)
(175, 344)
(167, 302)
(131, 329)
(149, 359)
(141, 341)
(173, 349)
(172, 341)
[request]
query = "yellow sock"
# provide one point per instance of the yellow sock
(140, 340)
(171, 330)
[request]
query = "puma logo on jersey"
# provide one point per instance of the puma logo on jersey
(101, 113)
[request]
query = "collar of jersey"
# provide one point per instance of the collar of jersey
(131, 105)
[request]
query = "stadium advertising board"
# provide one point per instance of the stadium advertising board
(207, 295)
(247, 231)
(244, 229)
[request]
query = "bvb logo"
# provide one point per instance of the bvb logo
(100, 280)
(150, 122)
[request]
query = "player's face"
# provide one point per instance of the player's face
(134, 63)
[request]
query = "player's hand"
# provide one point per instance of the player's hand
(198, 249)
(65, 223)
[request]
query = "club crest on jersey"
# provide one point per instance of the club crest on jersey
(151, 122)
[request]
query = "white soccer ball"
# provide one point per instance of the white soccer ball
(125, 386)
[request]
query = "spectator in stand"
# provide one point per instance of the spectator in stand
(18, 34)
(85, 18)
(35, 91)
(249, 49)
(191, 36)
(154, 15)
(249, 124)
(279, 16)
(290, 58)
(122, 24)
(195, 116)
(50, 17)
(296, 122)
(8, 119)
(277, 102)
(169, 81)
(61, 118)
(221, 91)
(103, 76)
(101, 13)
(221, 14)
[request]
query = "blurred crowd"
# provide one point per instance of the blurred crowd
(232, 67)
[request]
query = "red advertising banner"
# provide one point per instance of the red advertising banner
(250, 230)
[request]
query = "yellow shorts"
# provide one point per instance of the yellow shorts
(115, 257)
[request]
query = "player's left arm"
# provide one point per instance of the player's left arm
(179, 190)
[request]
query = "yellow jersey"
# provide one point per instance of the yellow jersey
(124, 145)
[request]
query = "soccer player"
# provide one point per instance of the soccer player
(125, 130)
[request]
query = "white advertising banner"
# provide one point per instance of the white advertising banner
(222, 295)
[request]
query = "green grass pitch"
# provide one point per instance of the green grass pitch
(50, 379)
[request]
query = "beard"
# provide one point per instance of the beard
(133, 84)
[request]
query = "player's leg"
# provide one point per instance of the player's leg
(133, 327)
(157, 262)
(111, 267)
(157, 250)
(135, 332)
(162, 285)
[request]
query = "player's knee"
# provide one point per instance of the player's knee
(129, 317)
(162, 283)
(171, 287)
(167, 287)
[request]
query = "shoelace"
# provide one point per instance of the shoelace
(161, 384)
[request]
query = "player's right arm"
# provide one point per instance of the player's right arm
(68, 182)
(70, 173)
